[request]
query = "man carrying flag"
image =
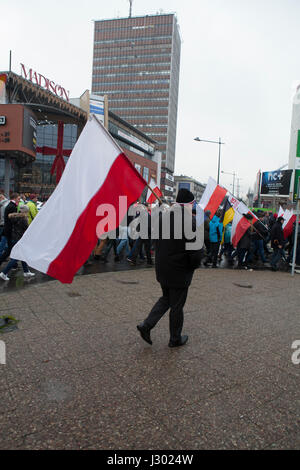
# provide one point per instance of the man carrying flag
(96, 189)
(174, 265)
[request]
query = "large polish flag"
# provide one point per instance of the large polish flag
(63, 234)
(212, 197)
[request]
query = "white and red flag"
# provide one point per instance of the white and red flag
(62, 236)
(240, 223)
(212, 197)
(150, 196)
(280, 212)
(288, 224)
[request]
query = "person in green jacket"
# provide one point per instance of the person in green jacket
(31, 204)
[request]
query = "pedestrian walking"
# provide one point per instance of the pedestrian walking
(10, 208)
(277, 243)
(19, 224)
(175, 267)
(215, 237)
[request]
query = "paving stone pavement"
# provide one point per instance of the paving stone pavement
(78, 375)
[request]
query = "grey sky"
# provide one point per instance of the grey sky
(239, 65)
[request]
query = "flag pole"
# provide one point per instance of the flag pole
(157, 197)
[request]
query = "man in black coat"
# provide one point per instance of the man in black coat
(277, 242)
(11, 207)
(175, 267)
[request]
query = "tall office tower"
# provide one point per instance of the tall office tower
(136, 63)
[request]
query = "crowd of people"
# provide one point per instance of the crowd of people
(16, 214)
(262, 246)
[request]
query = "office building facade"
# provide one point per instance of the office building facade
(136, 64)
(186, 182)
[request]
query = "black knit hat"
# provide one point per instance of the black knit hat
(184, 196)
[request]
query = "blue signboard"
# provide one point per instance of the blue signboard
(276, 182)
(184, 186)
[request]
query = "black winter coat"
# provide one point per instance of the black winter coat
(10, 209)
(173, 263)
(277, 236)
(19, 224)
(245, 241)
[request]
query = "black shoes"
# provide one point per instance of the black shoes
(181, 342)
(145, 333)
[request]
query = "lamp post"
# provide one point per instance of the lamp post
(214, 142)
(238, 187)
(232, 174)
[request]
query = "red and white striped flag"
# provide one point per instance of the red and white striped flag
(63, 235)
(240, 224)
(280, 212)
(289, 219)
(212, 197)
(150, 196)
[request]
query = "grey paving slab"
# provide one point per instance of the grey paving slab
(79, 376)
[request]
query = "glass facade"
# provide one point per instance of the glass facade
(36, 177)
(136, 63)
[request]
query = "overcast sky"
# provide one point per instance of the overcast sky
(240, 64)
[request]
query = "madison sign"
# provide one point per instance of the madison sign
(46, 83)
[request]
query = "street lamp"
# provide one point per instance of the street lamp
(238, 187)
(232, 174)
(214, 142)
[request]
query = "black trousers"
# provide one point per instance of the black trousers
(139, 246)
(214, 251)
(175, 299)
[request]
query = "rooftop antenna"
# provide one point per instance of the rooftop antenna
(130, 9)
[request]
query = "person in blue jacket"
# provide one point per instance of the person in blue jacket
(215, 237)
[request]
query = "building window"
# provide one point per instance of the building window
(146, 174)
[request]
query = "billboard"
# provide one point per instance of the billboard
(29, 130)
(184, 186)
(97, 106)
(18, 133)
(276, 183)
